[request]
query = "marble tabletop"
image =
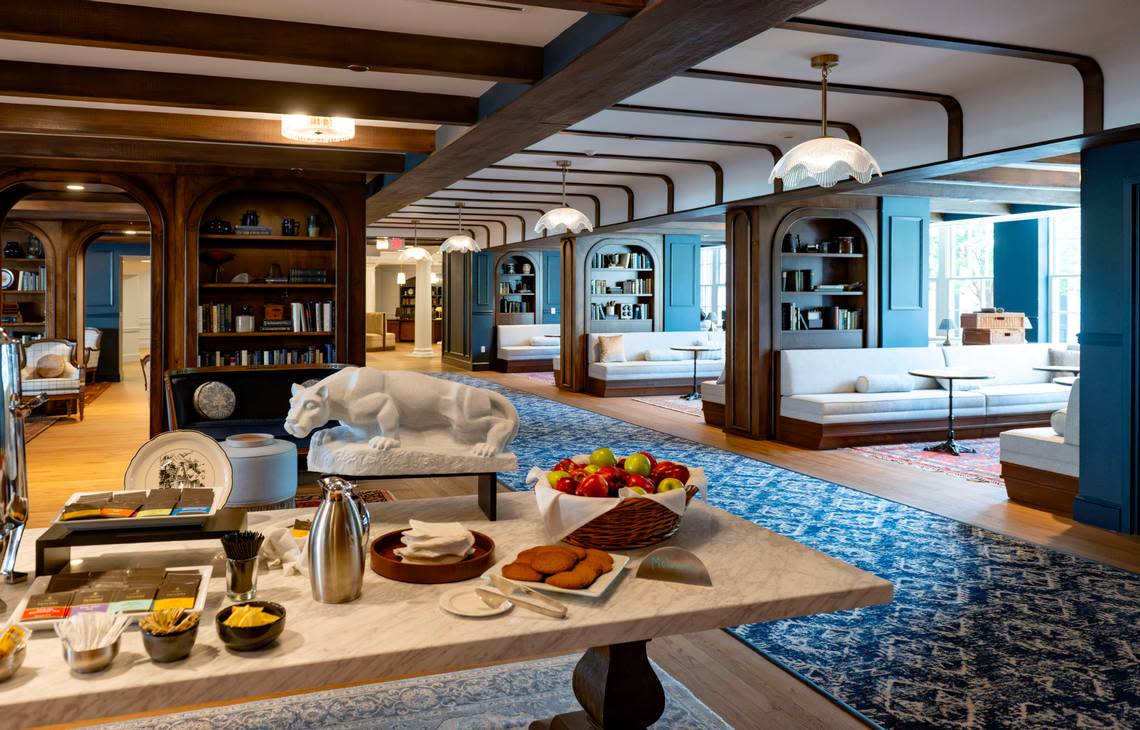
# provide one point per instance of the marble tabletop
(399, 629)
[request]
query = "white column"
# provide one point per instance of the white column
(423, 309)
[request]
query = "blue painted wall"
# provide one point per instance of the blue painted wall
(551, 287)
(482, 307)
(904, 267)
(1110, 272)
(682, 300)
(1021, 271)
(103, 298)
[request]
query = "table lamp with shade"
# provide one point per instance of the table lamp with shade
(947, 325)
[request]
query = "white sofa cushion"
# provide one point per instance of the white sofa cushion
(546, 341)
(712, 391)
(1040, 448)
(1008, 364)
(806, 372)
(667, 355)
(1073, 419)
(51, 386)
(884, 383)
(1024, 398)
(864, 407)
(527, 352)
(638, 343)
(511, 335)
(648, 370)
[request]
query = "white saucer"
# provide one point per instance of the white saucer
(464, 601)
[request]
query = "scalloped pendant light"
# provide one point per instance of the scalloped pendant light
(564, 219)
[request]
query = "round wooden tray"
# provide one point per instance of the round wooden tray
(386, 563)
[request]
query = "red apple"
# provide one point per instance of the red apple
(566, 485)
(652, 459)
(670, 469)
(621, 463)
(636, 480)
(594, 485)
(566, 465)
(613, 474)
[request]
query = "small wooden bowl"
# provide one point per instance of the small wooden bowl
(385, 562)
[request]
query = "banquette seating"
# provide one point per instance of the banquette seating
(712, 401)
(1040, 466)
(820, 406)
(644, 364)
(526, 347)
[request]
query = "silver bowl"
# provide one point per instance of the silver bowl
(10, 664)
(92, 660)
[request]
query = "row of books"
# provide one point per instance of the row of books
(795, 280)
(622, 261)
(628, 286)
(794, 318)
(616, 310)
(514, 306)
(308, 276)
(312, 316)
(299, 317)
(316, 355)
(32, 280)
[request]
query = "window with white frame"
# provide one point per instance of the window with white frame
(714, 288)
(1064, 276)
(961, 270)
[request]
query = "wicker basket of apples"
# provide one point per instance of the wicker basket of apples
(644, 498)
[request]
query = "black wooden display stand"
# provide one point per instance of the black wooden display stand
(53, 548)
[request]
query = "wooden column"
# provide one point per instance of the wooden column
(571, 369)
(748, 336)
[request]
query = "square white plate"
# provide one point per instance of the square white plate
(596, 590)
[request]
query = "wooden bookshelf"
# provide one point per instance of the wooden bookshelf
(843, 254)
(304, 284)
(620, 288)
(27, 302)
(516, 289)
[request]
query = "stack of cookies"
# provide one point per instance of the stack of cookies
(562, 566)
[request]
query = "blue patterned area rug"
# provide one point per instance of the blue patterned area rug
(985, 631)
(502, 697)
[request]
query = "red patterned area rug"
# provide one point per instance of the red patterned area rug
(984, 466)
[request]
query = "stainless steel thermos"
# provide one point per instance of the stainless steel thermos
(338, 543)
(14, 486)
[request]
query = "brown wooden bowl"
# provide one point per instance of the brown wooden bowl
(385, 562)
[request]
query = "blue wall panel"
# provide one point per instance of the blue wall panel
(1021, 271)
(682, 300)
(904, 232)
(1110, 272)
(551, 287)
(102, 298)
(482, 306)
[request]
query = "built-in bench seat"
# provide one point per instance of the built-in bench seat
(526, 347)
(712, 402)
(649, 366)
(1041, 466)
(819, 406)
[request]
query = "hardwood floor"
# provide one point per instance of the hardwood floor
(742, 686)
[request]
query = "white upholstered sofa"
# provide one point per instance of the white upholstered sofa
(649, 367)
(819, 406)
(1041, 466)
(526, 347)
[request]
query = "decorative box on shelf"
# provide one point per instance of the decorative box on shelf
(993, 328)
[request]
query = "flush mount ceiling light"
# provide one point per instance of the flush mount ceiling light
(76, 186)
(383, 243)
(304, 128)
(460, 242)
(825, 160)
(564, 219)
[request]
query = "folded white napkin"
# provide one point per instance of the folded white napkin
(435, 542)
(282, 550)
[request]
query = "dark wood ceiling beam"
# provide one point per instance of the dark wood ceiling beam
(192, 153)
(717, 170)
(1092, 78)
(630, 198)
(83, 83)
(1018, 176)
(484, 224)
(666, 37)
(668, 181)
(639, 137)
(848, 128)
(161, 30)
(516, 201)
(952, 107)
(84, 122)
(606, 7)
(989, 193)
(494, 217)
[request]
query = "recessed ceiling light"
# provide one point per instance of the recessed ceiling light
(75, 186)
(130, 232)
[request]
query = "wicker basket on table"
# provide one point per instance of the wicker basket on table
(634, 523)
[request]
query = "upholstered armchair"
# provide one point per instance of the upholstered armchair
(51, 367)
(92, 342)
(376, 334)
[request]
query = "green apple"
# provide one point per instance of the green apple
(592, 469)
(638, 490)
(603, 457)
(554, 476)
(669, 484)
(638, 464)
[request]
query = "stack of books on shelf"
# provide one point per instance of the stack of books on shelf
(514, 307)
(277, 325)
(31, 280)
(621, 261)
(308, 276)
(253, 230)
(794, 318)
(316, 355)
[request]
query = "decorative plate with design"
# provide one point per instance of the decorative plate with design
(7, 278)
(179, 459)
(214, 400)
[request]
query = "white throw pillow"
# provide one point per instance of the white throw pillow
(611, 348)
(960, 385)
(545, 341)
(666, 355)
(708, 355)
(884, 383)
(1057, 420)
